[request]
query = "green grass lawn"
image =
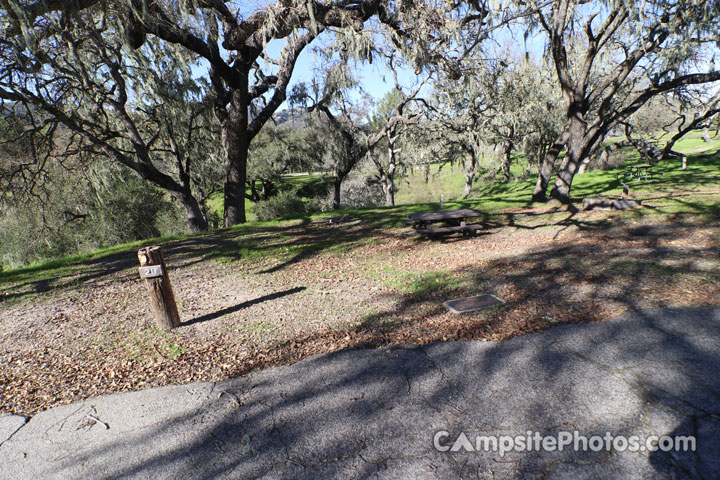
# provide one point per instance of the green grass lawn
(660, 196)
(448, 180)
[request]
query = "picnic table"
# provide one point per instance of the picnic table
(642, 171)
(450, 221)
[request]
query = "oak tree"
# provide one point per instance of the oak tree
(629, 52)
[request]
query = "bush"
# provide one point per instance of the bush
(608, 162)
(284, 203)
(128, 212)
(79, 220)
(20, 238)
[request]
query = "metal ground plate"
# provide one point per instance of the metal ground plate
(470, 304)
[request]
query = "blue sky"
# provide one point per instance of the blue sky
(375, 79)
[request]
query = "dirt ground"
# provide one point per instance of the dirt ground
(283, 293)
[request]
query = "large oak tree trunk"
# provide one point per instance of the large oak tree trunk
(337, 184)
(388, 180)
(469, 178)
(564, 178)
(546, 170)
(470, 173)
(388, 187)
(507, 148)
(236, 148)
(195, 218)
(578, 147)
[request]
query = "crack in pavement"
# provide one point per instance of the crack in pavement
(356, 453)
(446, 379)
(27, 420)
(306, 425)
(64, 420)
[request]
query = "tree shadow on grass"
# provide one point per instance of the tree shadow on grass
(289, 244)
(282, 245)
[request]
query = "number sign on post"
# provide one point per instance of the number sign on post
(162, 301)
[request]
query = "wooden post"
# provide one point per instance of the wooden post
(157, 281)
(684, 163)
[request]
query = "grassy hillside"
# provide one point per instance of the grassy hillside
(691, 191)
(449, 181)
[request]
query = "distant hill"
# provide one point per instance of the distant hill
(294, 117)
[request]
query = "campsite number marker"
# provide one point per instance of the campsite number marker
(162, 301)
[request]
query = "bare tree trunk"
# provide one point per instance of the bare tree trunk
(545, 170)
(469, 177)
(507, 148)
(683, 130)
(604, 158)
(195, 218)
(470, 173)
(353, 152)
(268, 189)
(388, 184)
(583, 166)
(566, 173)
(388, 187)
(337, 184)
(236, 147)
(388, 178)
(706, 134)
(577, 147)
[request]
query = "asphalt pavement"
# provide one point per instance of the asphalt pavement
(638, 384)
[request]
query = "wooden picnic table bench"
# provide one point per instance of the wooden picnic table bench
(642, 171)
(451, 221)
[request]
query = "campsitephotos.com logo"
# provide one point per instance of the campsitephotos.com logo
(563, 440)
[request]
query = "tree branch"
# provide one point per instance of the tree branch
(29, 12)
(605, 90)
(291, 52)
(648, 93)
(263, 86)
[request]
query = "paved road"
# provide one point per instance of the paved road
(374, 413)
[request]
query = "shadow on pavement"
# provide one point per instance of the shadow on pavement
(374, 413)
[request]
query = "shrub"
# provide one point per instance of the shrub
(20, 238)
(284, 203)
(79, 220)
(608, 162)
(128, 212)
